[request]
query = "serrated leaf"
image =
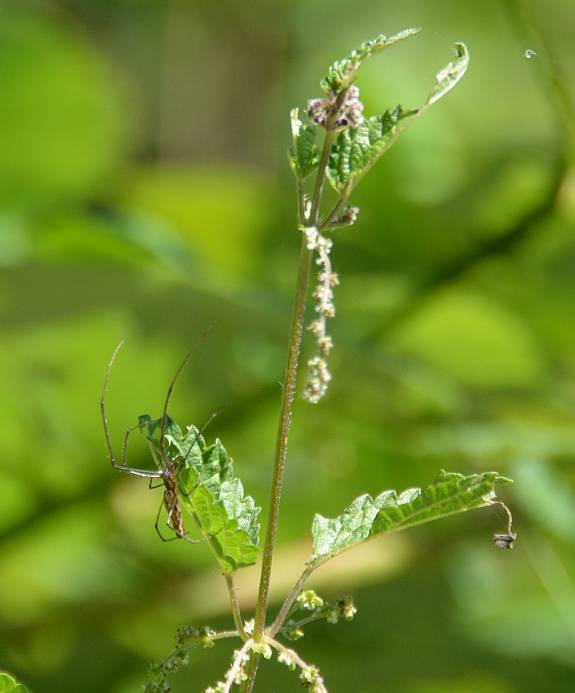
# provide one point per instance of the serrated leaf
(367, 517)
(342, 73)
(8, 684)
(357, 149)
(304, 154)
(214, 496)
(448, 77)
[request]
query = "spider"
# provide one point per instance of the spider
(168, 468)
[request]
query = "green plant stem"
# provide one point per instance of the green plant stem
(336, 208)
(236, 613)
(251, 672)
(236, 665)
(290, 599)
(280, 647)
(320, 179)
(288, 396)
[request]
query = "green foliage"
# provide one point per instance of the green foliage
(8, 684)
(215, 498)
(357, 149)
(342, 73)
(61, 131)
(304, 154)
(367, 517)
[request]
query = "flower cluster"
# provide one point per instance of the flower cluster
(309, 674)
(327, 280)
(337, 111)
(347, 218)
(236, 674)
(311, 679)
(317, 609)
(309, 600)
(187, 638)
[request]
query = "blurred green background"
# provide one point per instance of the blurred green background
(145, 192)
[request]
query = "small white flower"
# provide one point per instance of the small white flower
(263, 648)
(287, 659)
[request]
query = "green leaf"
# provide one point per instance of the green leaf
(448, 77)
(304, 154)
(357, 149)
(342, 73)
(9, 685)
(367, 517)
(214, 496)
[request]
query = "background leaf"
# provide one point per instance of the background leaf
(9, 685)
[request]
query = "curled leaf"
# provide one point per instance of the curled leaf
(448, 77)
(357, 149)
(342, 73)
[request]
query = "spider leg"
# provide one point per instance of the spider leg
(155, 474)
(157, 525)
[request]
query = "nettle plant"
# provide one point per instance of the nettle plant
(335, 144)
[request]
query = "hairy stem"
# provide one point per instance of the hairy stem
(236, 666)
(290, 599)
(288, 396)
(251, 671)
(336, 208)
(320, 179)
(236, 613)
(280, 647)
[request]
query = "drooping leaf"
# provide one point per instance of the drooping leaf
(342, 73)
(448, 77)
(357, 149)
(304, 154)
(214, 496)
(8, 684)
(367, 517)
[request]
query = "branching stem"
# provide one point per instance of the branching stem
(290, 599)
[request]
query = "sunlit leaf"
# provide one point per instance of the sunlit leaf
(304, 154)
(367, 517)
(448, 77)
(356, 149)
(214, 496)
(342, 73)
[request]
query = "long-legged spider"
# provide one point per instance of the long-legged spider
(168, 467)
